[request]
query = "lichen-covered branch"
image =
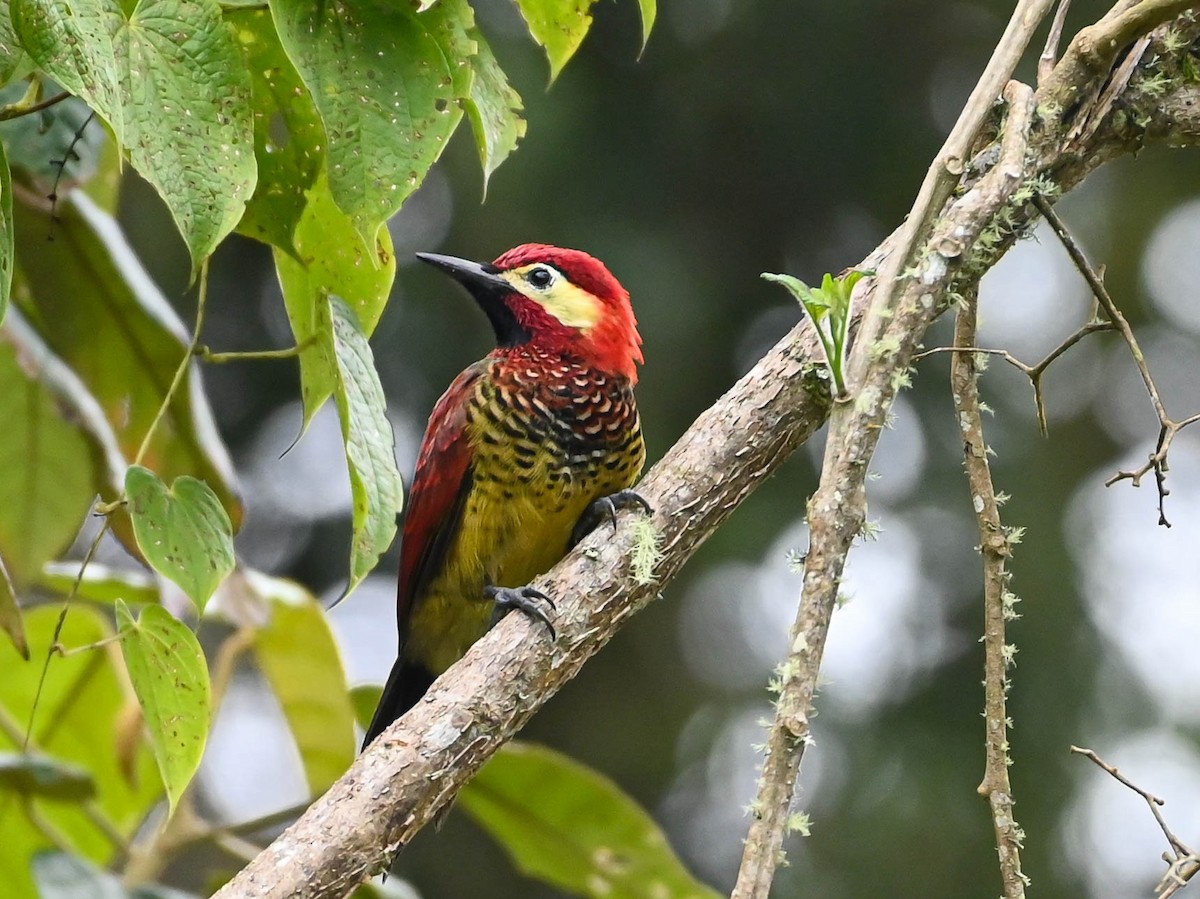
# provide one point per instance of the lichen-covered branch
(421, 761)
(995, 547)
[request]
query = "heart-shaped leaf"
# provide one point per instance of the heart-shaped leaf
(167, 669)
(183, 531)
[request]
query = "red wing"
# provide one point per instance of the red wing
(439, 490)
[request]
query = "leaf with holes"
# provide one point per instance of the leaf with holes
(386, 92)
(289, 138)
(375, 481)
(168, 673)
(570, 827)
(559, 27)
(183, 531)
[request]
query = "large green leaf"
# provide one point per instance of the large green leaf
(10, 613)
(375, 483)
(188, 124)
(299, 656)
(53, 450)
(82, 708)
(182, 531)
(93, 303)
(573, 828)
(169, 80)
(7, 249)
(559, 26)
(385, 90)
(34, 774)
(166, 666)
(331, 257)
(289, 138)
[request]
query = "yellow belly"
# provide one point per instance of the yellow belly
(511, 532)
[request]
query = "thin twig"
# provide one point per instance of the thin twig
(18, 109)
(1183, 861)
(206, 355)
(1168, 427)
(995, 547)
(1033, 372)
(1050, 51)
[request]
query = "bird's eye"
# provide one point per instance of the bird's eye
(540, 277)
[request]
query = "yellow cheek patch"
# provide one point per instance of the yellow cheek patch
(571, 305)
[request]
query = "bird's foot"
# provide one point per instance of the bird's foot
(607, 507)
(528, 600)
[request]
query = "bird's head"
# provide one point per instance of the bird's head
(556, 299)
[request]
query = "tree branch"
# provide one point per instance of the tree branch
(418, 765)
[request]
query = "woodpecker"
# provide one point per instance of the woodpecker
(526, 451)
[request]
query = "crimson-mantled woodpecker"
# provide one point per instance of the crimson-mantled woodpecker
(524, 453)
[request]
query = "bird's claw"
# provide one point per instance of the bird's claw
(607, 507)
(526, 599)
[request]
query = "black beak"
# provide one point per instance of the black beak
(490, 291)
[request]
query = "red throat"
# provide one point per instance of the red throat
(613, 343)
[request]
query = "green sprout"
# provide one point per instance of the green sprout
(829, 307)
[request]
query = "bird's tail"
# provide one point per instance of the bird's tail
(405, 686)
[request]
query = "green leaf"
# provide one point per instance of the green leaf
(375, 483)
(73, 42)
(331, 258)
(385, 90)
(649, 11)
(53, 451)
(7, 248)
(83, 707)
(122, 339)
(183, 532)
(299, 656)
(188, 125)
(365, 699)
(10, 613)
(559, 26)
(573, 828)
(494, 110)
(43, 149)
(167, 669)
(289, 138)
(100, 583)
(34, 774)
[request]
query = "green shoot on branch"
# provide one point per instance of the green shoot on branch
(829, 307)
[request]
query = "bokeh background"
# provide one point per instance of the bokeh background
(777, 135)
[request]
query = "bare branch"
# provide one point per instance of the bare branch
(1168, 427)
(1182, 860)
(1050, 51)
